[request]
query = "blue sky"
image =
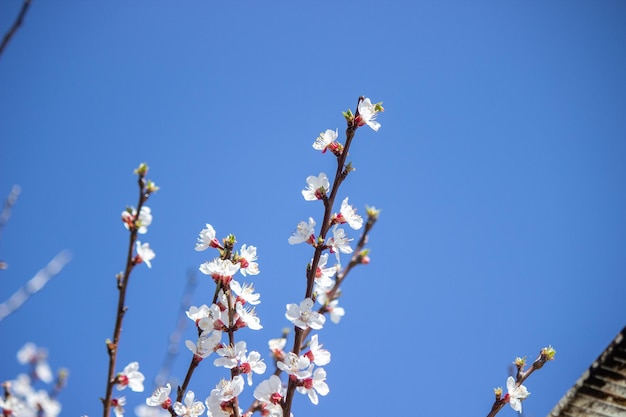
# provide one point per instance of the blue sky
(499, 169)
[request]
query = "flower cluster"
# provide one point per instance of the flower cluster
(300, 369)
(232, 309)
(21, 397)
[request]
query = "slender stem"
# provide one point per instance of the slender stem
(192, 367)
(355, 260)
(16, 25)
(231, 340)
(496, 407)
(340, 175)
(112, 346)
(341, 276)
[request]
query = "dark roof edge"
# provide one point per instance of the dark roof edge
(617, 345)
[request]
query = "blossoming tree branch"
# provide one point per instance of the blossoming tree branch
(222, 322)
(231, 309)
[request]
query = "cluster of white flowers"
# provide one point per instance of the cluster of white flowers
(21, 397)
(141, 222)
(230, 312)
(312, 382)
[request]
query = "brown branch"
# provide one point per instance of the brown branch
(16, 25)
(340, 175)
(122, 285)
(331, 295)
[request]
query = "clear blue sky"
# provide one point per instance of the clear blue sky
(499, 168)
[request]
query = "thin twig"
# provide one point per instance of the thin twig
(177, 333)
(16, 25)
(8, 205)
(6, 213)
(35, 284)
(122, 285)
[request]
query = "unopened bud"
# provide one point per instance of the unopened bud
(151, 187)
(141, 170)
(349, 116)
(63, 373)
(548, 352)
(364, 256)
(498, 392)
(372, 212)
(230, 240)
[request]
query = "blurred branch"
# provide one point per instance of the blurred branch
(8, 205)
(177, 333)
(16, 25)
(6, 213)
(35, 284)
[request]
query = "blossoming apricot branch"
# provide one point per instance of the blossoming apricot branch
(232, 306)
(136, 220)
(516, 391)
(317, 276)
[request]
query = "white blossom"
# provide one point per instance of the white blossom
(303, 316)
(191, 407)
(305, 232)
(317, 187)
(516, 394)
